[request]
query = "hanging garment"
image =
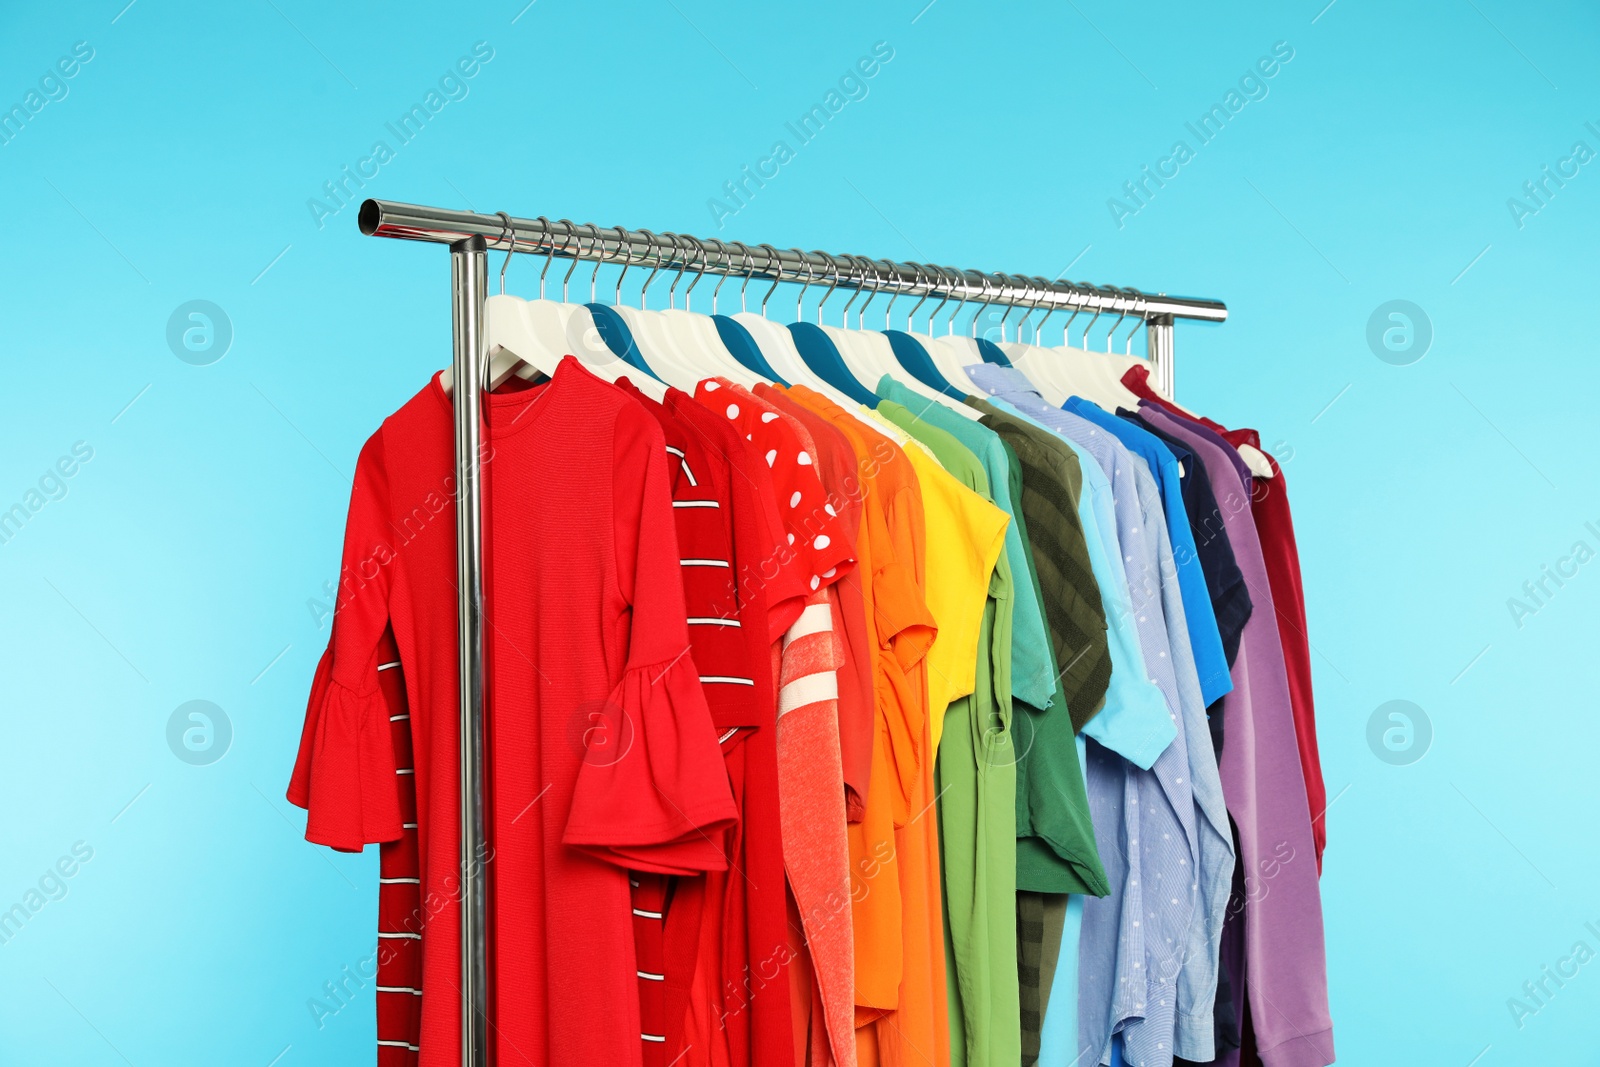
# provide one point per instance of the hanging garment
(902, 1017)
(722, 933)
(964, 539)
(1138, 793)
(976, 770)
(1056, 846)
(608, 764)
(1200, 620)
(815, 847)
(1167, 992)
(1269, 505)
(1033, 669)
(836, 468)
(1285, 971)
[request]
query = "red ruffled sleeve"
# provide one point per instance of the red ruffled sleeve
(652, 793)
(344, 774)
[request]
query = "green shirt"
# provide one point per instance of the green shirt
(976, 781)
(1056, 850)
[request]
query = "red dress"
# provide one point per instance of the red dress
(602, 752)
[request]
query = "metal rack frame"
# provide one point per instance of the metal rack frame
(470, 235)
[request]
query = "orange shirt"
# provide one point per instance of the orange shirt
(900, 977)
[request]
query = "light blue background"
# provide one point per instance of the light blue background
(180, 563)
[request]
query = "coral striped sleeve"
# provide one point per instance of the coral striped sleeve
(816, 849)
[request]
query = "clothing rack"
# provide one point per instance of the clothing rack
(470, 235)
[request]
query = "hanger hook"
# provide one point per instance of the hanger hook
(872, 293)
(832, 266)
(803, 286)
(895, 288)
(948, 281)
(1098, 311)
(943, 299)
(726, 274)
(844, 315)
(1046, 290)
(705, 264)
(1134, 313)
(1035, 301)
(1028, 303)
(1116, 305)
(983, 302)
(651, 240)
(549, 256)
(511, 247)
(872, 290)
(911, 316)
(959, 285)
(775, 264)
(1007, 299)
(1073, 302)
(675, 265)
(627, 250)
(597, 250)
(572, 235)
(749, 265)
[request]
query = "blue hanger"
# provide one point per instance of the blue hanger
(915, 359)
(615, 333)
(735, 338)
(611, 327)
(991, 352)
(818, 351)
(744, 348)
(908, 351)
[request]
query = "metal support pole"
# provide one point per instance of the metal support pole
(1159, 337)
(468, 286)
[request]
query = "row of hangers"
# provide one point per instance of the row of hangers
(680, 347)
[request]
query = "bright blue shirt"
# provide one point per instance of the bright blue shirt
(1204, 637)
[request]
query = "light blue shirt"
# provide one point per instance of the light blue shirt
(1193, 1035)
(1211, 664)
(1134, 721)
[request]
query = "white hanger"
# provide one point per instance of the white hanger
(584, 337)
(952, 353)
(859, 364)
(657, 348)
(1020, 352)
(696, 335)
(549, 320)
(511, 339)
(1098, 376)
(1065, 371)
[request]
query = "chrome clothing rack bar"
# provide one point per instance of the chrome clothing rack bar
(470, 235)
(469, 282)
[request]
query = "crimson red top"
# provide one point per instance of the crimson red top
(601, 751)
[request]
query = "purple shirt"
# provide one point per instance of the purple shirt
(1285, 962)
